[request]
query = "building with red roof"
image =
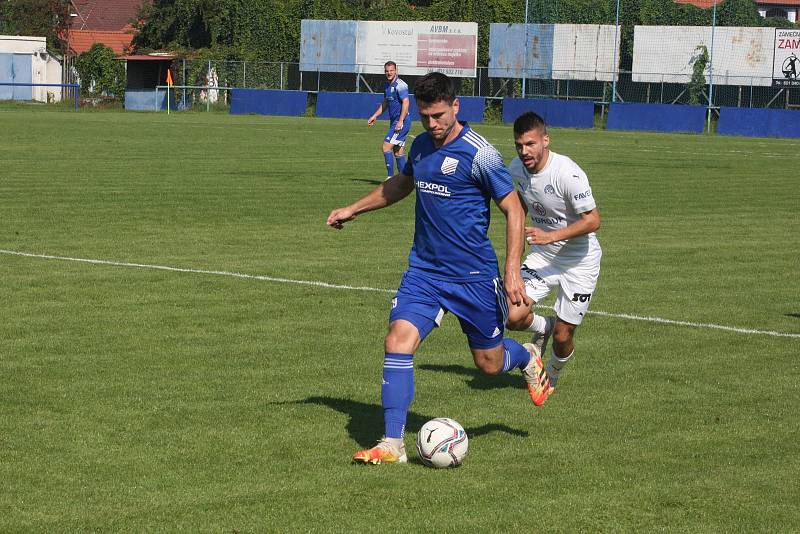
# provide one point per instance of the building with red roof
(102, 21)
(787, 9)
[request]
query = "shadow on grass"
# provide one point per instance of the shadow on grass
(476, 378)
(365, 421)
(795, 315)
(373, 182)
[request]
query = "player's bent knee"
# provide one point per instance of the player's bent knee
(518, 318)
(402, 337)
(489, 367)
(514, 323)
(486, 362)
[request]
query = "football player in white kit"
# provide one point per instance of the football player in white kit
(564, 250)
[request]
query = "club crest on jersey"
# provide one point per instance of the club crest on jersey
(449, 165)
(549, 190)
(538, 208)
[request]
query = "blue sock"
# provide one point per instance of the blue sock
(515, 355)
(401, 163)
(388, 156)
(397, 392)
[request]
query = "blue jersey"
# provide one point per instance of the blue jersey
(454, 184)
(394, 93)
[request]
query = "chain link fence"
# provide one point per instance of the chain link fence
(207, 76)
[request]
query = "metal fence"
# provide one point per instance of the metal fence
(747, 92)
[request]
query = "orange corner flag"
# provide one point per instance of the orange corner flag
(169, 77)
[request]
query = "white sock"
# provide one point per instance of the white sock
(538, 325)
(555, 364)
(397, 443)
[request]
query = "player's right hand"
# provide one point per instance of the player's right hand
(371, 121)
(339, 216)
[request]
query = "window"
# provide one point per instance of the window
(777, 12)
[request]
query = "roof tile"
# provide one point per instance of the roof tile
(104, 15)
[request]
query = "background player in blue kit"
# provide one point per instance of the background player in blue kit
(395, 97)
(452, 266)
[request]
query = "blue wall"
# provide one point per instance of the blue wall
(148, 100)
(268, 102)
(558, 113)
(471, 108)
(348, 105)
(657, 118)
(756, 122)
(362, 105)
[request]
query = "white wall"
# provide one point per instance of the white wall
(16, 44)
(54, 72)
(44, 67)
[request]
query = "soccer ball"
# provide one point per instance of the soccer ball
(442, 442)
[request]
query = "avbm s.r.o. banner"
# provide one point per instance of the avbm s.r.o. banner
(419, 47)
(364, 46)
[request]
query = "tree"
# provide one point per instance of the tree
(698, 82)
(39, 18)
(99, 73)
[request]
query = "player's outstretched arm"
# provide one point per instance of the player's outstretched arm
(387, 193)
(515, 224)
(377, 113)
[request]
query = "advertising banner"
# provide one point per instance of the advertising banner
(553, 51)
(785, 64)
(742, 56)
(417, 47)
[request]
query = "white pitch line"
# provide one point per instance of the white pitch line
(194, 271)
(659, 320)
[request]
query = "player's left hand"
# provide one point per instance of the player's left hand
(515, 287)
(398, 126)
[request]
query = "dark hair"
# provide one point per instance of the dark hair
(529, 121)
(392, 63)
(434, 87)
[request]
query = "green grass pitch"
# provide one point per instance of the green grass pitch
(147, 400)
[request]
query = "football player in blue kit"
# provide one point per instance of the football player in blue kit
(395, 98)
(452, 266)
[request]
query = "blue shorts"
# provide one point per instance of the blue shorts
(480, 306)
(398, 138)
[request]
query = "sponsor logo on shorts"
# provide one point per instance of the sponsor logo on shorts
(496, 332)
(581, 297)
(433, 189)
(531, 273)
(394, 303)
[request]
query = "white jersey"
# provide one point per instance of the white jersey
(555, 198)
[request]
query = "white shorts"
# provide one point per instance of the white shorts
(575, 282)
